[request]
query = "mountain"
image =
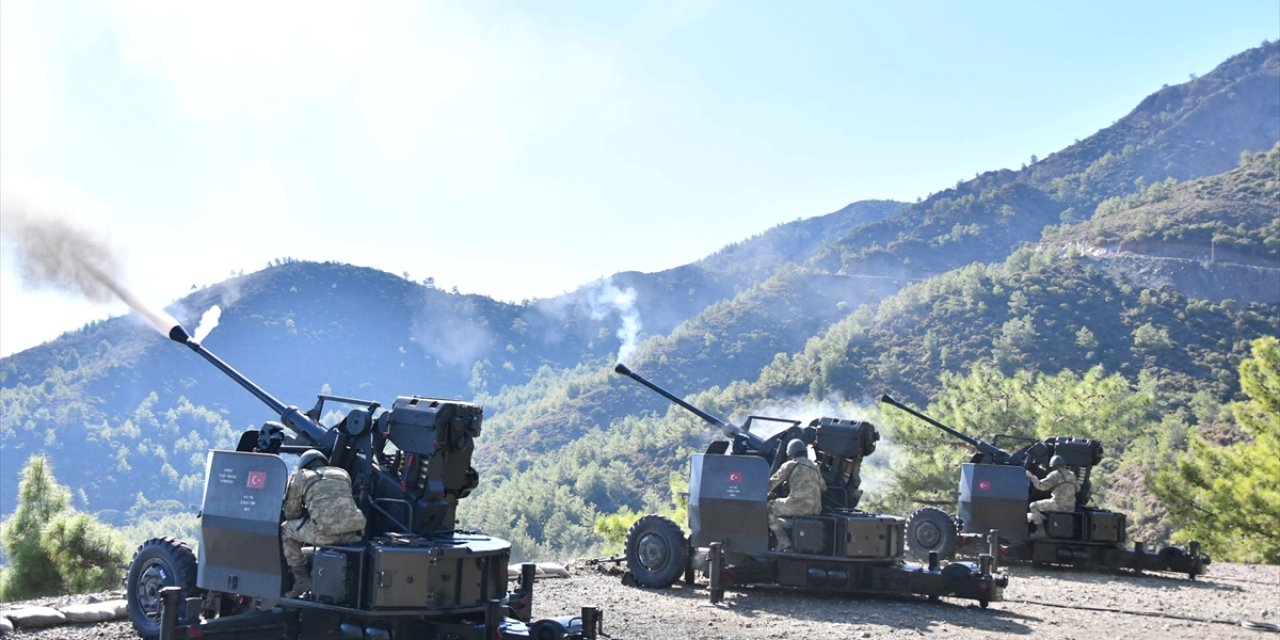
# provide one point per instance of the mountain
(1093, 256)
(1215, 238)
(1182, 132)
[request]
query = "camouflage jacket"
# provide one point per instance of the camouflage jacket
(1060, 483)
(803, 479)
(323, 496)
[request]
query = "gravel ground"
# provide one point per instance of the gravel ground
(1036, 603)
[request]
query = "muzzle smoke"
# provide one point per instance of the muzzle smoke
(207, 322)
(51, 252)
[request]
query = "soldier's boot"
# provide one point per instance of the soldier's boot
(782, 537)
(301, 582)
(1035, 528)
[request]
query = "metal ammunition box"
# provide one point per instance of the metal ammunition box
(873, 536)
(1077, 452)
(810, 535)
(1063, 524)
(1105, 526)
(462, 571)
(848, 438)
(334, 575)
(848, 535)
(420, 425)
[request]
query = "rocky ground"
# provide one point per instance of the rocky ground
(1041, 603)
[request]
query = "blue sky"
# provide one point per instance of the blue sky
(522, 149)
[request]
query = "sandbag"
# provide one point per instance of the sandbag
(6, 625)
(35, 617)
(552, 570)
(543, 570)
(97, 611)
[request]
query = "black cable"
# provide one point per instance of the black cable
(1247, 624)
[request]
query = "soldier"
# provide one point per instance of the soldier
(805, 488)
(318, 510)
(1061, 485)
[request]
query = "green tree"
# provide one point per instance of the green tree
(31, 572)
(984, 403)
(86, 553)
(51, 548)
(613, 527)
(1228, 498)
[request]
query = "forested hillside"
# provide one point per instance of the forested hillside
(1040, 313)
(1181, 132)
(1229, 217)
(1052, 277)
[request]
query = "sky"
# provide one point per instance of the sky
(523, 149)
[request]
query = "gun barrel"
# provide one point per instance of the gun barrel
(728, 429)
(292, 417)
(976, 443)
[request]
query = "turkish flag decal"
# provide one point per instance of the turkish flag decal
(257, 480)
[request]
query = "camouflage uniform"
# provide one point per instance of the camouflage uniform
(318, 510)
(1061, 484)
(804, 497)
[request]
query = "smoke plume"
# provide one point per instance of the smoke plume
(51, 252)
(606, 298)
(207, 322)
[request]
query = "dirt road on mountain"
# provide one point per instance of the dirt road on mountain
(1039, 603)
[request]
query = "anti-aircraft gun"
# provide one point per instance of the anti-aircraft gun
(995, 493)
(412, 575)
(839, 550)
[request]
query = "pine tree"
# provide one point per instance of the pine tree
(1228, 498)
(31, 572)
(86, 552)
(51, 548)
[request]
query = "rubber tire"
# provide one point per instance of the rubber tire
(656, 552)
(158, 562)
(930, 529)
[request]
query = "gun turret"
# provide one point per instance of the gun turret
(292, 417)
(411, 489)
(996, 454)
(738, 434)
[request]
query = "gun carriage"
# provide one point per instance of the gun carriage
(840, 549)
(413, 574)
(995, 493)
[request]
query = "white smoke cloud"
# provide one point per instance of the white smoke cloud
(605, 298)
(207, 322)
(451, 330)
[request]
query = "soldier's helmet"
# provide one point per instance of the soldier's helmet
(1057, 461)
(312, 458)
(795, 448)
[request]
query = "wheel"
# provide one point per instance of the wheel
(158, 563)
(930, 529)
(656, 551)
